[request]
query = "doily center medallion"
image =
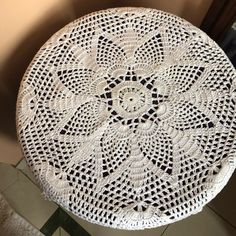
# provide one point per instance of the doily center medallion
(132, 98)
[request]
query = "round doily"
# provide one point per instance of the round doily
(127, 118)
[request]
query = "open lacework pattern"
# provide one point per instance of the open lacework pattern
(127, 118)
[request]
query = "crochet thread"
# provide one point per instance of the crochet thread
(127, 118)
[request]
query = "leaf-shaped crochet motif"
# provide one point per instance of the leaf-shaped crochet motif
(76, 80)
(84, 121)
(151, 50)
(108, 52)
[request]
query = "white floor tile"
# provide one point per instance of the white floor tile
(57, 232)
(64, 233)
(97, 230)
(25, 197)
(8, 175)
(224, 203)
(206, 223)
(22, 166)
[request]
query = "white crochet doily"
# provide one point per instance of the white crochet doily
(127, 118)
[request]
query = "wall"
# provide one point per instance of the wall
(26, 24)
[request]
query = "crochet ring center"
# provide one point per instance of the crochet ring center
(127, 118)
(130, 99)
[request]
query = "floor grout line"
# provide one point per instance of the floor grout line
(18, 162)
(22, 172)
(28, 177)
(5, 189)
(18, 178)
(35, 184)
(164, 230)
(222, 217)
(31, 181)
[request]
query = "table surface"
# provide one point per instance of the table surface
(127, 118)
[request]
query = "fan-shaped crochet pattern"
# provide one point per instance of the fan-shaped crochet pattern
(127, 118)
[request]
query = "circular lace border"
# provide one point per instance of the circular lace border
(127, 118)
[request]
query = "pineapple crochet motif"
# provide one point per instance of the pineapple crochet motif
(127, 118)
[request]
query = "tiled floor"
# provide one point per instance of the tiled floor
(225, 202)
(20, 189)
(25, 197)
(60, 232)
